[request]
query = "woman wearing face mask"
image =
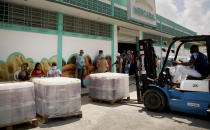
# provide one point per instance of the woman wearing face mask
(54, 72)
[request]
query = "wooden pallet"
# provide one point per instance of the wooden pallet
(112, 102)
(44, 119)
(33, 122)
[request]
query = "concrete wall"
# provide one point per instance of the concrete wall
(33, 45)
(91, 47)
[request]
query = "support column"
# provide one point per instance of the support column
(60, 39)
(114, 38)
(137, 43)
(141, 35)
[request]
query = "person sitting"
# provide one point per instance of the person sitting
(54, 72)
(23, 74)
(197, 66)
(102, 65)
(37, 72)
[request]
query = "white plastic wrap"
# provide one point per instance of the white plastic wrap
(17, 102)
(57, 96)
(109, 86)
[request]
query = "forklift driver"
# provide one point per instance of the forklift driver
(197, 66)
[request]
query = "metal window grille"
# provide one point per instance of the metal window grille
(172, 31)
(94, 5)
(120, 13)
(84, 26)
(27, 16)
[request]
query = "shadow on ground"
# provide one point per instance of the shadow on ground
(182, 118)
(59, 122)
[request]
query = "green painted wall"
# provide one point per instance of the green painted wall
(137, 43)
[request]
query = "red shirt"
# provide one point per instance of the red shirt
(132, 58)
(36, 73)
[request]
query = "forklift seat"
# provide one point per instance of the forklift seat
(201, 78)
(195, 78)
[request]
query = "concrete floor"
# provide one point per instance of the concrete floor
(126, 116)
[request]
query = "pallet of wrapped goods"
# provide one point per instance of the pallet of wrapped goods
(57, 97)
(17, 104)
(110, 87)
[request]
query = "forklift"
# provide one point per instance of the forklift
(156, 91)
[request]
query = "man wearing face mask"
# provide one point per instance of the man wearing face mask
(100, 54)
(54, 72)
(196, 67)
(80, 63)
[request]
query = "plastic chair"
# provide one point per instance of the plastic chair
(16, 75)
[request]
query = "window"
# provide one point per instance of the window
(27, 16)
(84, 26)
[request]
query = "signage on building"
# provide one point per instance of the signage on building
(142, 11)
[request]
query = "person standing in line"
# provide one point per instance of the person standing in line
(128, 62)
(109, 61)
(118, 63)
(124, 58)
(54, 72)
(97, 58)
(80, 64)
(132, 64)
(102, 65)
(100, 53)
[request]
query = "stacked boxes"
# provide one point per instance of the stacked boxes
(57, 96)
(17, 102)
(109, 86)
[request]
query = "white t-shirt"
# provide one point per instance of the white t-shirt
(54, 73)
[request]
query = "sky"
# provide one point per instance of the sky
(193, 14)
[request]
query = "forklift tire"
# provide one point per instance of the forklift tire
(154, 100)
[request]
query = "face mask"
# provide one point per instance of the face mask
(54, 67)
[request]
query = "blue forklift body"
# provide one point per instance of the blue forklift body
(185, 101)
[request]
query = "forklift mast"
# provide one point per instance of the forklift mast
(147, 67)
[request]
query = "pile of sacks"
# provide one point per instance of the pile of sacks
(57, 97)
(109, 86)
(17, 102)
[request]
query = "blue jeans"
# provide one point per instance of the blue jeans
(81, 75)
(127, 68)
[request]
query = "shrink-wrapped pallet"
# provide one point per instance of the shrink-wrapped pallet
(57, 96)
(17, 103)
(109, 86)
